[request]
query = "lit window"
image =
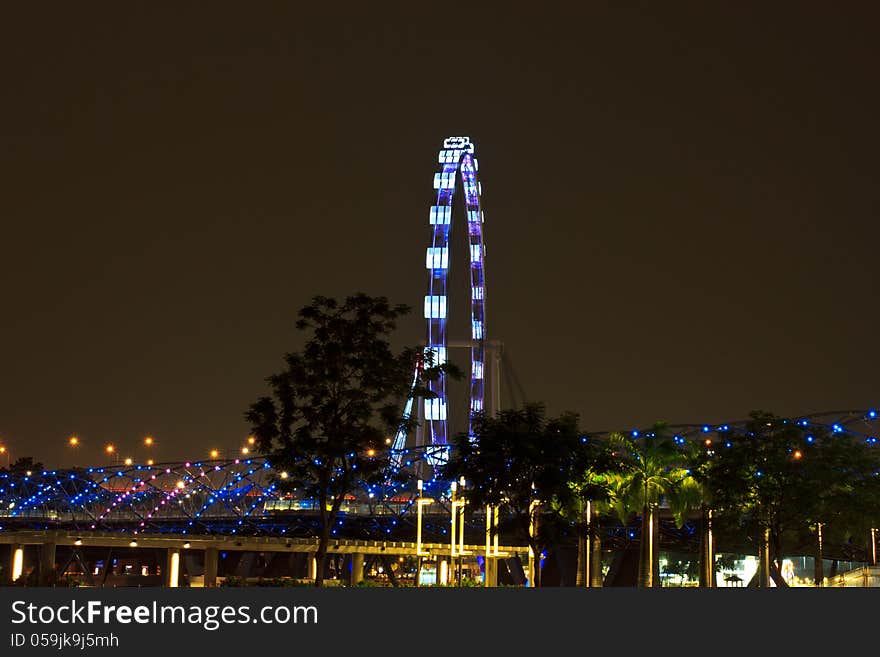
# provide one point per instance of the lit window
(440, 214)
(478, 370)
(477, 252)
(476, 293)
(437, 257)
(449, 156)
(444, 180)
(476, 330)
(435, 307)
(476, 405)
(473, 217)
(435, 409)
(439, 354)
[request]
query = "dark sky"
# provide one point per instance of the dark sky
(681, 203)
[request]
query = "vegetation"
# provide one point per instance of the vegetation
(523, 463)
(336, 404)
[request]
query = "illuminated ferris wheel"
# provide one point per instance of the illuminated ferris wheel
(457, 161)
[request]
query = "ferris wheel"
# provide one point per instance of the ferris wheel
(458, 161)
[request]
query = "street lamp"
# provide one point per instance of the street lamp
(215, 453)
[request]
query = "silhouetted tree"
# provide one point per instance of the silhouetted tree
(520, 461)
(336, 405)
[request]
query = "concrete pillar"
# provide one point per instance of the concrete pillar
(357, 568)
(172, 568)
(491, 572)
(211, 563)
(47, 564)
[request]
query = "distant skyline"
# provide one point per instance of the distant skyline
(681, 205)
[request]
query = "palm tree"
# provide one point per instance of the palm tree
(652, 469)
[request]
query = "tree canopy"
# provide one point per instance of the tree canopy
(335, 406)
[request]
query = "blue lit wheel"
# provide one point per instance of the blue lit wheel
(457, 159)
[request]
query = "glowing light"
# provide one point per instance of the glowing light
(180, 484)
(797, 454)
(251, 440)
(17, 563)
(245, 450)
(109, 449)
(215, 453)
(174, 569)
(148, 441)
(284, 475)
(73, 441)
(128, 461)
(133, 544)
(149, 461)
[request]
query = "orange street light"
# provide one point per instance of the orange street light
(73, 441)
(251, 440)
(149, 461)
(128, 461)
(245, 450)
(109, 449)
(148, 441)
(215, 453)
(798, 454)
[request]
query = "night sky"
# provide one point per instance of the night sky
(681, 204)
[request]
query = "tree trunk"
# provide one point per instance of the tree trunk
(582, 577)
(763, 573)
(776, 563)
(321, 555)
(818, 565)
(646, 549)
(656, 582)
(595, 547)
